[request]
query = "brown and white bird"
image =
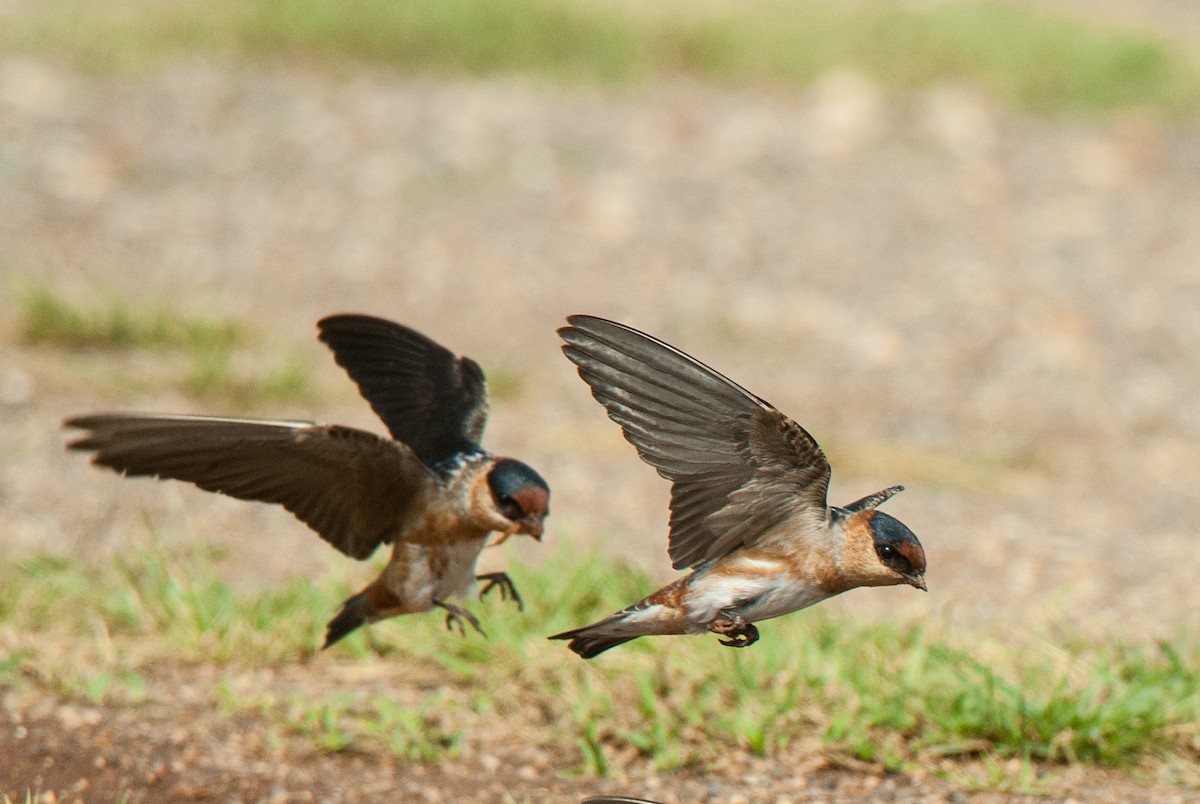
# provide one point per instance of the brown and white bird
(431, 490)
(748, 498)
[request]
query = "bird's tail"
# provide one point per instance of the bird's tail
(594, 639)
(660, 613)
(590, 646)
(356, 611)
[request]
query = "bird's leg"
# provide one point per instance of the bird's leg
(741, 632)
(506, 534)
(455, 615)
(504, 583)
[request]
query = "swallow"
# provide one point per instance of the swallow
(749, 515)
(431, 490)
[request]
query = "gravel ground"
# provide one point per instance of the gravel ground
(999, 312)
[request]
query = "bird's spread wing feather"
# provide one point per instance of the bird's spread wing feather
(431, 400)
(354, 488)
(738, 466)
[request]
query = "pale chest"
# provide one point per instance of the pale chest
(423, 572)
(759, 586)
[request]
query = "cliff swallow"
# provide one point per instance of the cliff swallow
(431, 490)
(748, 497)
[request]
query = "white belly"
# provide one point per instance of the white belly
(783, 599)
(763, 591)
(459, 578)
(420, 586)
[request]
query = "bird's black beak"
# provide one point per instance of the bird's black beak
(534, 526)
(917, 581)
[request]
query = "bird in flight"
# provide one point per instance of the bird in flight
(749, 515)
(431, 490)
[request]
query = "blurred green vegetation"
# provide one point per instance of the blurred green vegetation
(1035, 61)
(893, 694)
(37, 798)
(48, 317)
(112, 324)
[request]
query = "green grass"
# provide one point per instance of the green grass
(1036, 61)
(894, 695)
(212, 376)
(46, 317)
(36, 798)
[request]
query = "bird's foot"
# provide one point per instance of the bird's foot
(501, 581)
(741, 632)
(456, 616)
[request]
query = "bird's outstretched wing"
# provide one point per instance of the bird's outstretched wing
(354, 488)
(738, 466)
(431, 400)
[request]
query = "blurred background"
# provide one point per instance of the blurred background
(956, 241)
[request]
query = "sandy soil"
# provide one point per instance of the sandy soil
(999, 312)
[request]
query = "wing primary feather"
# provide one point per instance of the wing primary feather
(430, 400)
(652, 351)
(316, 472)
(738, 466)
(691, 388)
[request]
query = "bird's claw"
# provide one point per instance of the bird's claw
(501, 581)
(455, 615)
(741, 632)
(741, 640)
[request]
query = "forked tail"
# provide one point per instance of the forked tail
(590, 645)
(356, 611)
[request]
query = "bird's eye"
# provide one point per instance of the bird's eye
(510, 507)
(887, 551)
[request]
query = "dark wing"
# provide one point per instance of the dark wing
(739, 466)
(354, 488)
(431, 400)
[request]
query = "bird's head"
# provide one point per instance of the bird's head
(520, 496)
(898, 549)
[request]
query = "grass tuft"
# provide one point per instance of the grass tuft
(1036, 61)
(884, 693)
(211, 346)
(48, 318)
